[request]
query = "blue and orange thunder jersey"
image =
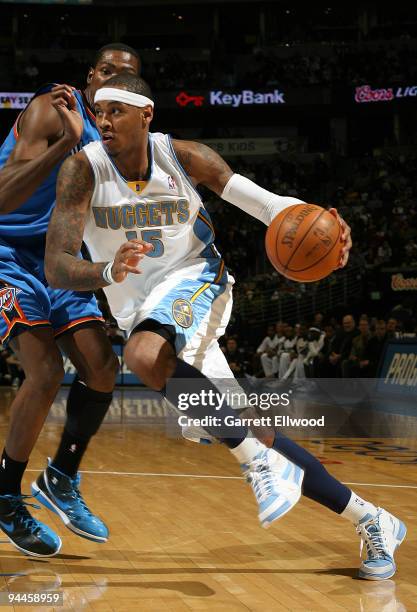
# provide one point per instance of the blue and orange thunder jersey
(27, 225)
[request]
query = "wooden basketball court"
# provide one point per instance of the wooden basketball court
(185, 534)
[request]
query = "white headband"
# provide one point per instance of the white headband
(121, 95)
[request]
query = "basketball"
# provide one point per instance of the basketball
(303, 242)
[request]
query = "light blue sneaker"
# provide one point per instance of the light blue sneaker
(381, 534)
(276, 483)
(59, 493)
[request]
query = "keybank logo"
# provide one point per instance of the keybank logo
(245, 97)
(218, 97)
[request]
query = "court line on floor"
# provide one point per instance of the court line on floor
(218, 477)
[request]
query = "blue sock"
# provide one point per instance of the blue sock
(231, 435)
(318, 484)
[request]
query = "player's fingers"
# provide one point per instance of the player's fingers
(335, 214)
(67, 97)
(62, 91)
(129, 247)
(133, 260)
(60, 105)
(134, 242)
(344, 260)
(344, 254)
(124, 267)
(142, 245)
(63, 85)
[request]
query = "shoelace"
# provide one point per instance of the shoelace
(19, 506)
(75, 494)
(262, 479)
(80, 499)
(372, 535)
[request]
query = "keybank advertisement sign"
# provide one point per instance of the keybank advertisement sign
(398, 369)
(234, 99)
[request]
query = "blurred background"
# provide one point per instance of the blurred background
(317, 102)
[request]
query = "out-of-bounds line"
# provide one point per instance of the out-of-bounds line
(161, 474)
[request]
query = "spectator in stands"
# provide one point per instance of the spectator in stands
(341, 346)
(374, 349)
(315, 345)
(235, 357)
(295, 367)
(351, 367)
(280, 327)
(286, 351)
(391, 328)
(318, 320)
(322, 363)
(267, 352)
(403, 312)
(289, 351)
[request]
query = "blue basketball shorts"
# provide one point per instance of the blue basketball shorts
(26, 302)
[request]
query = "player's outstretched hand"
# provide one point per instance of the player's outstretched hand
(346, 238)
(63, 100)
(127, 259)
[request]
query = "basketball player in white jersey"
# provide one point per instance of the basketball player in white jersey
(132, 199)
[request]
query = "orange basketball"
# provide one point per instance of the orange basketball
(304, 243)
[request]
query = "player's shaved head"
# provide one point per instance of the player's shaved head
(132, 83)
(115, 47)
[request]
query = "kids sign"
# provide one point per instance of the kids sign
(365, 93)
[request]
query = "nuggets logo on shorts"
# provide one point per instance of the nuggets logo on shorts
(182, 311)
(8, 298)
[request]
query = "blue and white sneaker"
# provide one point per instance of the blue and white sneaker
(29, 535)
(381, 534)
(276, 483)
(59, 493)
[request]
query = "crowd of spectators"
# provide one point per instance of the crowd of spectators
(336, 66)
(319, 348)
(377, 196)
(342, 65)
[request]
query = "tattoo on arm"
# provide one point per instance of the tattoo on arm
(203, 164)
(63, 267)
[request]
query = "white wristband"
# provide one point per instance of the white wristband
(107, 273)
(254, 200)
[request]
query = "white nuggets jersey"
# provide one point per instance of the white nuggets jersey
(165, 211)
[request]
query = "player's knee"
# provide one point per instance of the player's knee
(154, 373)
(108, 367)
(101, 371)
(47, 374)
(149, 374)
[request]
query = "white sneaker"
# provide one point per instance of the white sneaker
(276, 483)
(381, 534)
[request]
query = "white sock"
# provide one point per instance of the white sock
(357, 509)
(247, 450)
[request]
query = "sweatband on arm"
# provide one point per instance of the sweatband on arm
(107, 275)
(254, 200)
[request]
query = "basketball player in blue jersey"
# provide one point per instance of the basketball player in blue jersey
(132, 199)
(38, 321)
